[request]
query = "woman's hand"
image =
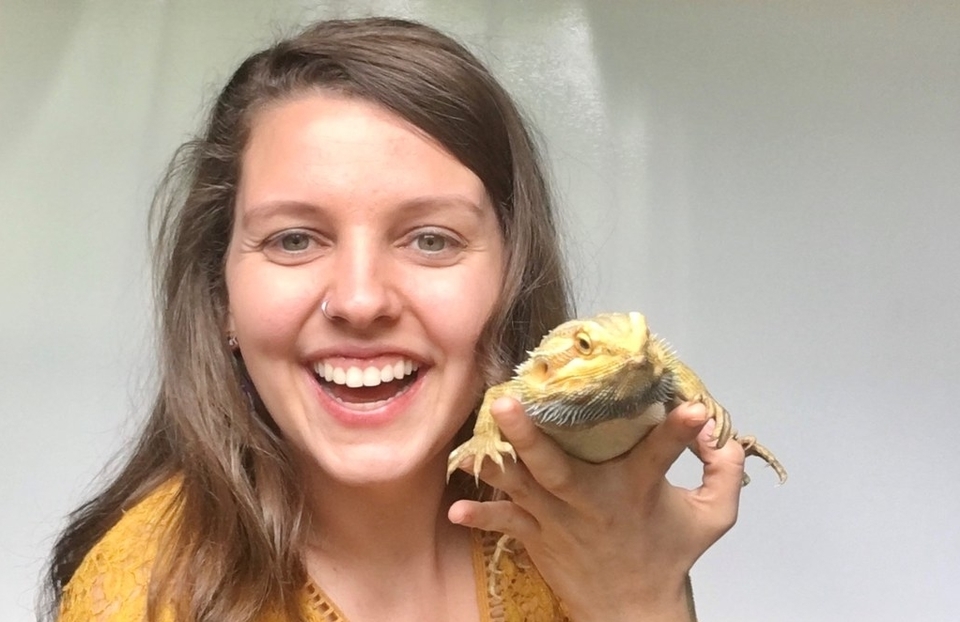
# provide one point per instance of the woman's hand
(616, 540)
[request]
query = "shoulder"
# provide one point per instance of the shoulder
(112, 580)
(518, 592)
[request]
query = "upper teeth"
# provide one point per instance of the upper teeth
(364, 377)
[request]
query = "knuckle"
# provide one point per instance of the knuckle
(560, 480)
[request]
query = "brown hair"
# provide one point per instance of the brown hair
(235, 547)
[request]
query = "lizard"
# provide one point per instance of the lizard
(597, 386)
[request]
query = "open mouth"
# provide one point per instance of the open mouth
(366, 385)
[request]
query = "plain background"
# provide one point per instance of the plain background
(775, 184)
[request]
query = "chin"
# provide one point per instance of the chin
(376, 464)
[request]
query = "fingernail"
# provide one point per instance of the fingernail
(708, 428)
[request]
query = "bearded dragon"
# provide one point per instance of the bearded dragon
(597, 386)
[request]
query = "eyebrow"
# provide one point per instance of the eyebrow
(428, 203)
(416, 205)
(268, 209)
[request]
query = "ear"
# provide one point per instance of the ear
(231, 327)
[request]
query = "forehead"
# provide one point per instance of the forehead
(328, 143)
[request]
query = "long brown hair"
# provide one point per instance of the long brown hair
(235, 546)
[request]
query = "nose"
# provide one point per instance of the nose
(362, 290)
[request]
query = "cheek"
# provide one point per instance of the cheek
(458, 306)
(269, 308)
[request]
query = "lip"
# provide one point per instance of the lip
(361, 352)
(367, 416)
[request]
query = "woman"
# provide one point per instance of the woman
(359, 243)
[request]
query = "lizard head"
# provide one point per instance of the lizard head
(609, 353)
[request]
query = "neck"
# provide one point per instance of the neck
(395, 536)
(391, 522)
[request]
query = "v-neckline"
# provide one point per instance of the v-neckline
(482, 546)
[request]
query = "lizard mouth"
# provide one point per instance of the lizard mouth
(597, 408)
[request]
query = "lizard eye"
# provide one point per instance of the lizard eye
(583, 343)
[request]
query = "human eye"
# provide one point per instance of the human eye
(431, 242)
(292, 246)
(434, 244)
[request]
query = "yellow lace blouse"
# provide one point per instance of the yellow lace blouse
(110, 584)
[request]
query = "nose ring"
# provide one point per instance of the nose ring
(323, 308)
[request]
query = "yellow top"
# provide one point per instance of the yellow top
(110, 585)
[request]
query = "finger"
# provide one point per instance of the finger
(722, 478)
(524, 492)
(512, 478)
(664, 444)
(502, 516)
(545, 461)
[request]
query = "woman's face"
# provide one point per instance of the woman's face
(342, 201)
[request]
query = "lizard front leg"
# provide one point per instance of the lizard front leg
(689, 388)
(752, 448)
(486, 440)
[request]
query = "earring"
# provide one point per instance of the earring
(232, 342)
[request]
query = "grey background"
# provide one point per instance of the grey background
(775, 184)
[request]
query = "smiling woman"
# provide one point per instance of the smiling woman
(357, 245)
(406, 275)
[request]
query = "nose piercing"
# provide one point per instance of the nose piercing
(323, 308)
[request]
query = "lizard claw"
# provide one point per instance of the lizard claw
(724, 432)
(719, 414)
(752, 448)
(478, 448)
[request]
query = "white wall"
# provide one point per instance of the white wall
(776, 185)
